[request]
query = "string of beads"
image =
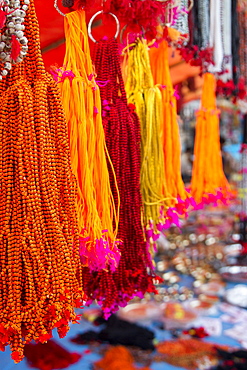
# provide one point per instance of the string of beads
(40, 272)
(122, 131)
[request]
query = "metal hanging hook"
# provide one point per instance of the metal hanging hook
(191, 5)
(57, 9)
(92, 20)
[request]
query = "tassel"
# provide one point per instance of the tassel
(81, 100)
(122, 131)
(147, 98)
(40, 280)
(179, 197)
(208, 183)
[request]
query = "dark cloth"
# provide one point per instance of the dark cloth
(117, 331)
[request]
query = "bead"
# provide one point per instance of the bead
(23, 41)
(2, 46)
(22, 13)
(20, 35)
(18, 27)
(3, 55)
(11, 31)
(7, 66)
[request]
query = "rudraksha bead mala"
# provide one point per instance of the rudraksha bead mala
(122, 131)
(40, 271)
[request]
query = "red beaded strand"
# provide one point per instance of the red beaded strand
(122, 130)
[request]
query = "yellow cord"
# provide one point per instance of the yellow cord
(82, 105)
(170, 130)
(147, 98)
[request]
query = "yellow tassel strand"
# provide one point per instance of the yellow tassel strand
(82, 104)
(159, 59)
(209, 183)
(147, 99)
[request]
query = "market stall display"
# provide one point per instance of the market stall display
(94, 208)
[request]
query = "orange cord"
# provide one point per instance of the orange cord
(208, 176)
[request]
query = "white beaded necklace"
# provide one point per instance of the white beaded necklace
(203, 17)
(12, 31)
(216, 39)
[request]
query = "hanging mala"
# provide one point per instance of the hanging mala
(13, 43)
(147, 98)
(242, 189)
(242, 18)
(208, 184)
(81, 100)
(204, 21)
(122, 131)
(181, 19)
(227, 40)
(179, 198)
(236, 41)
(216, 35)
(194, 25)
(40, 279)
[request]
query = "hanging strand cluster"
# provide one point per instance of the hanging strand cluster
(180, 199)
(81, 100)
(209, 183)
(147, 98)
(122, 131)
(40, 274)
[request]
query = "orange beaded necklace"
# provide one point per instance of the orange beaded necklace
(40, 273)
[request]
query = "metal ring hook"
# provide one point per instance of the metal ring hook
(191, 5)
(124, 29)
(57, 9)
(92, 20)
